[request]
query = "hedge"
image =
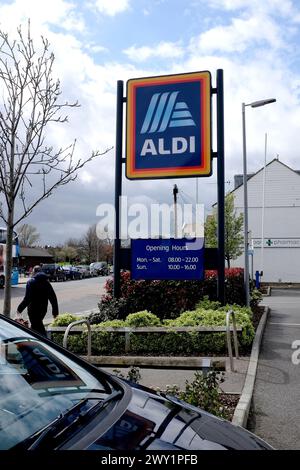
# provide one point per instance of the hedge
(168, 299)
(190, 343)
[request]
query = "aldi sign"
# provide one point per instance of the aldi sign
(168, 126)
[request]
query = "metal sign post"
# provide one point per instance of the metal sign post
(168, 135)
(221, 187)
(118, 189)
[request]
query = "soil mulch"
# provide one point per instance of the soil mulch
(229, 402)
(257, 314)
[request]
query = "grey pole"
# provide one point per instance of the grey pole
(246, 262)
(118, 190)
(221, 186)
(254, 104)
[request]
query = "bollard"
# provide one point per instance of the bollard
(257, 281)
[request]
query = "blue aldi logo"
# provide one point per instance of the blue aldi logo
(169, 126)
(163, 111)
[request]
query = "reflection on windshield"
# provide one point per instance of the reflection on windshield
(36, 384)
(41, 369)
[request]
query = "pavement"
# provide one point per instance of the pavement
(276, 400)
(160, 378)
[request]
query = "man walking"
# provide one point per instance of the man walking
(38, 292)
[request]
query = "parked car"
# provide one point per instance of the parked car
(54, 272)
(84, 270)
(99, 268)
(67, 271)
(50, 399)
(75, 273)
(72, 273)
(93, 269)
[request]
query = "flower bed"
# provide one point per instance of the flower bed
(168, 299)
(164, 344)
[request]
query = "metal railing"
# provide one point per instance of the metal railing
(231, 314)
(129, 331)
(89, 340)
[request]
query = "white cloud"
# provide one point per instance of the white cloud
(95, 48)
(111, 7)
(163, 50)
(86, 176)
(60, 12)
(265, 73)
(239, 35)
(284, 8)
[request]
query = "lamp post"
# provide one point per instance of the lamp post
(254, 104)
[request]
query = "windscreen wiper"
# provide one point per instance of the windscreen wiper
(61, 425)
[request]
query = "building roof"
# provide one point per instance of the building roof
(238, 179)
(26, 251)
(249, 176)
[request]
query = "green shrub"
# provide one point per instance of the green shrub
(111, 324)
(170, 343)
(106, 343)
(201, 317)
(133, 375)
(208, 304)
(110, 309)
(77, 343)
(142, 319)
(65, 319)
(202, 392)
(167, 299)
(255, 298)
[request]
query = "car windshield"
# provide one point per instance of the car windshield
(37, 384)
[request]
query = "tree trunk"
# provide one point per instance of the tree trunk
(8, 265)
(228, 262)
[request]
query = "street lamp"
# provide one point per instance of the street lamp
(254, 104)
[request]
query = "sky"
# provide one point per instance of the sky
(97, 42)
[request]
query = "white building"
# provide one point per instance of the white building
(280, 257)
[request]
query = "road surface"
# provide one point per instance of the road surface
(276, 412)
(72, 296)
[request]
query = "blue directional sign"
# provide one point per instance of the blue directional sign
(173, 259)
(169, 126)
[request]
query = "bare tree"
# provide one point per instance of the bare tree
(97, 248)
(28, 235)
(91, 245)
(30, 168)
(68, 253)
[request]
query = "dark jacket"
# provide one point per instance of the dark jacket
(38, 292)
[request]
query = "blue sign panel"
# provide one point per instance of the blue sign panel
(169, 126)
(173, 259)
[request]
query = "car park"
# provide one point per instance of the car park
(50, 399)
(54, 272)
